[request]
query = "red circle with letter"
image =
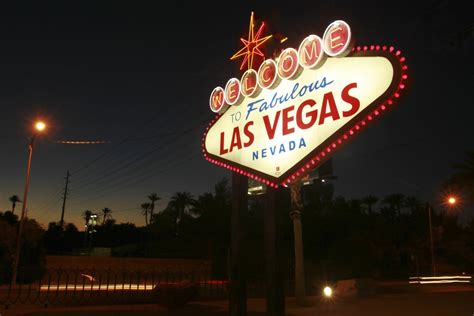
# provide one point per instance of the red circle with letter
(337, 39)
(217, 100)
(310, 52)
(248, 83)
(267, 74)
(288, 63)
(232, 91)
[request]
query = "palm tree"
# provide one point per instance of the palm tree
(153, 197)
(463, 178)
(86, 215)
(106, 214)
(395, 202)
(145, 210)
(179, 202)
(14, 199)
(369, 200)
(413, 204)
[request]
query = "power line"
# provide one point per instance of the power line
(133, 156)
(142, 179)
(136, 159)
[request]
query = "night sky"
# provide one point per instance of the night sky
(139, 77)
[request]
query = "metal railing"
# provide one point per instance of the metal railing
(60, 287)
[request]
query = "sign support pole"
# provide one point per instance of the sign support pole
(273, 261)
(295, 215)
(238, 277)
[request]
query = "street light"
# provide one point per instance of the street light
(39, 128)
(451, 201)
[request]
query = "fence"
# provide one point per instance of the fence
(102, 287)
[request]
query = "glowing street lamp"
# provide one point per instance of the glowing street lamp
(39, 128)
(452, 200)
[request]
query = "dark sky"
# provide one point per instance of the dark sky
(139, 76)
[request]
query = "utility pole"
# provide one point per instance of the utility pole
(64, 199)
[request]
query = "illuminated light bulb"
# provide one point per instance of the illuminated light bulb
(323, 154)
(357, 127)
(390, 102)
(391, 49)
(317, 158)
(376, 112)
(275, 186)
(397, 53)
(371, 47)
(327, 291)
(384, 47)
(312, 162)
(345, 136)
(402, 86)
(328, 150)
(365, 48)
(397, 95)
(402, 59)
(307, 166)
(383, 107)
(405, 67)
(369, 117)
(358, 48)
(333, 145)
(363, 123)
(339, 141)
(404, 77)
(351, 132)
(377, 47)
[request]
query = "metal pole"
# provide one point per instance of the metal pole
(273, 262)
(64, 199)
(238, 273)
(295, 215)
(433, 266)
(16, 259)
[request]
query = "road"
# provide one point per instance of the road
(452, 302)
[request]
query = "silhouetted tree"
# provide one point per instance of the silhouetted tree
(463, 177)
(395, 202)
(153, 197)
(179, 202)
(14, 199)
(106, 214)
(145, 211)
(369, 201)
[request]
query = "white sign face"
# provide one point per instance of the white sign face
(282, 128)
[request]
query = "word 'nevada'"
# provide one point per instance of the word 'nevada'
(291, 119)
(336, 42)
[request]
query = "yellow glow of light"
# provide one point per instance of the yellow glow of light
(327, 291)
(40, 126)
(452, 200)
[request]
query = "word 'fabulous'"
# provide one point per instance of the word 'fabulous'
(290, 119)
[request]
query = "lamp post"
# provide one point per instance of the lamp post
(433, 266)
(39, 127)
(451, 201)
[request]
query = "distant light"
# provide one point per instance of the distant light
(327, 291)
(40, 126)
(452, 200)
(323, 180)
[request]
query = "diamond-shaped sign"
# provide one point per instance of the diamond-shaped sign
(282, 132)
